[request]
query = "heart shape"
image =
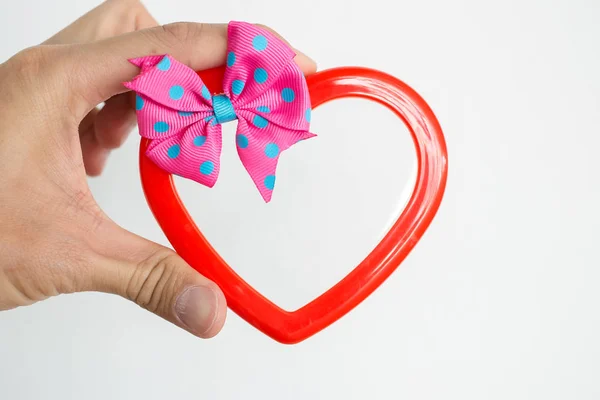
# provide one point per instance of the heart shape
(291, 327)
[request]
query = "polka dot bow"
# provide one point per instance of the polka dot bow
(262, 88)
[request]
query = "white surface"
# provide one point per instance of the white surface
(499, 300)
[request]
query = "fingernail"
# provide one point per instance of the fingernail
(197, 308)
(306, 64)
(306, 56)
(311, 59)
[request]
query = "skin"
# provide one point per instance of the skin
(54, 238)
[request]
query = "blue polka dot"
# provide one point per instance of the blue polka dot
(242, 141)
(207, 167)
(230, 59)
(270, 182)
(307, 114)
(288, 95)
(185, 113)
(260, 122)
(237, 86)
(173, 151)
(263, 109)
(139, 102)
(161, 127)
(271, 150)
(164, 64)
(260, 75)
(199, 140)
(206, 93)
(259, 42)
(176, 92)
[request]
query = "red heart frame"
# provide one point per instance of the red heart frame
(291, 327)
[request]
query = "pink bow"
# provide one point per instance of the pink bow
(263, 89)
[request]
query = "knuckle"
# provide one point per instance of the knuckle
(151, 285)
(29, 63)
(40, 69)
(181, 32)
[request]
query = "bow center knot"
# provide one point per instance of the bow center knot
(223, 109)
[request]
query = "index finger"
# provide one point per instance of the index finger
(104, 65)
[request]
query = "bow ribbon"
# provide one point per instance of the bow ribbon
(263, 89)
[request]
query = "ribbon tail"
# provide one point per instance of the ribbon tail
(147, 62)
(259, 152)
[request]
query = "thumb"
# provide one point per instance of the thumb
(155, 278)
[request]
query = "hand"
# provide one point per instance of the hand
(54, 238)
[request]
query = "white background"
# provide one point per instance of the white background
(500, 298)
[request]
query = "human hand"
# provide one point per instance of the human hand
(54, 238)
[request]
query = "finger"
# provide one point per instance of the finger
(94, 155)
(110, 18)
(105, 129)
(115, 121)
(104, 65)
(156, 279)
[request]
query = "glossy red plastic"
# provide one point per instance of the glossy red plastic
(294, 326)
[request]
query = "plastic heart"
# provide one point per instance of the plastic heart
(294, 326)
